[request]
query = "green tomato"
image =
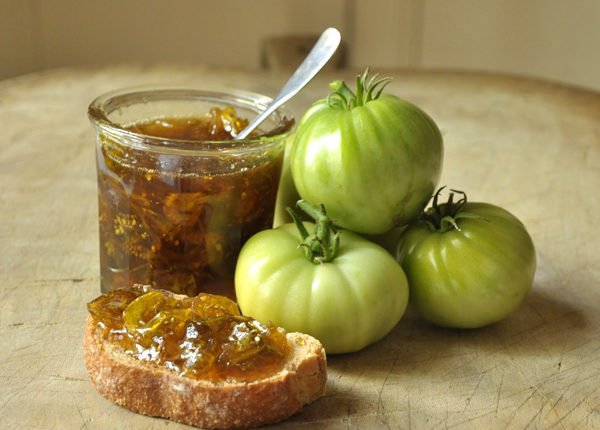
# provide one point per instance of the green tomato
(468, 264)
(347, 303)
(388, 240)
(373, 160)
(287, 196)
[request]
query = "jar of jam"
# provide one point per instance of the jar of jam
(178, 196)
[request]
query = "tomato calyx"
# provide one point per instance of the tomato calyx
(342, 97)
(321, 246)
(442, 217)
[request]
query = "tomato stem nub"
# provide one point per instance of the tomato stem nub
(321, 246)
(342, 97)
(442, 217)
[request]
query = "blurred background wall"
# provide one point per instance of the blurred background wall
(551, 39)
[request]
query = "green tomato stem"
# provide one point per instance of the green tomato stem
(442, 217)
(342, 97)
(321, 246)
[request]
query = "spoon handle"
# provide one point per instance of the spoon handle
(316, 59)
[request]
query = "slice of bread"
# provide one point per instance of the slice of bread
(157, 391)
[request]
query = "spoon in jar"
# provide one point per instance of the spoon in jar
(316, 59)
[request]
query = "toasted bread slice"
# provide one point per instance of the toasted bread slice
(157, 391)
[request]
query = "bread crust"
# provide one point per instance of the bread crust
(157, 391)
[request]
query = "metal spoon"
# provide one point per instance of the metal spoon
(316, 59)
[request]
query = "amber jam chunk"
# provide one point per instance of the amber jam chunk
(203, 337)
(179, 217)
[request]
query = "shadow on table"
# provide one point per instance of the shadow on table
(542, 327)
(542, 324)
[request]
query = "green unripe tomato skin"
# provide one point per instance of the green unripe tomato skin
(373, 167)
(287, 196)
(347, 304)
(472, 277)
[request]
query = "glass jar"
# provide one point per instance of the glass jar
(175, 211)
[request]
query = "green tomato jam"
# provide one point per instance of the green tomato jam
(174, 220)
(204, 337)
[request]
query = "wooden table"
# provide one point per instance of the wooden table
(529, 146)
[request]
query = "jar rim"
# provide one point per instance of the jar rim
(102, 106)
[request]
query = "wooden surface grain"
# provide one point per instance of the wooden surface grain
(532, 147)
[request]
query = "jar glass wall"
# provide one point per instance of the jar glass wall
(175, 208)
